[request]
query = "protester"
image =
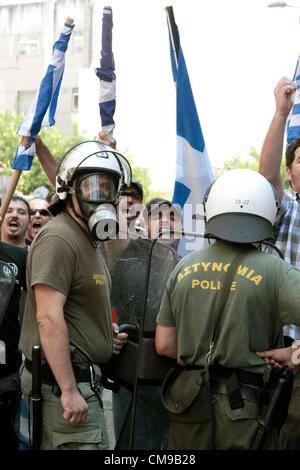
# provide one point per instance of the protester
(164, 221)
(129, 279)
(131, 198)
(10, 391)
(68, 299)
(15, 222)
(279, 358)
(40, 216)
(288, 221)
(129, 210)
(221, 305)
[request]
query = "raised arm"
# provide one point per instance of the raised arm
(49, 163)
(46, 159)
(271, 153)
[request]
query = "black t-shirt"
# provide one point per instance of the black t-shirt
(10, 327)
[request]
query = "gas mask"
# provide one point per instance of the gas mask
(97, 198)
(96, 173)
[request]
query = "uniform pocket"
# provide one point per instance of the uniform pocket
(248, 411)
(77, 440)
(185, 395)
(235, 429)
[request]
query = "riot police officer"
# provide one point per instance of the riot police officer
(221, 305)
(68, 297)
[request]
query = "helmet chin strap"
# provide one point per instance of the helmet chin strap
(83, 219)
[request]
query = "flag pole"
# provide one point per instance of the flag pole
(193, 169)
(107, 77)
(173, 33)
(12, 185)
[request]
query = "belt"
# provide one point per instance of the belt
(248, 392)
(82, 373)
(243, 377)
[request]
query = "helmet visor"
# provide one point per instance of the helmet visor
(96, 188)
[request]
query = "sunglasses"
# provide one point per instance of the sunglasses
(42, 212)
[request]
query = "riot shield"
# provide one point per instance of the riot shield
(7, 283)
(139, 279)
(129, 278)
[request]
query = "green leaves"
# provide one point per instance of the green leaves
(57, 142)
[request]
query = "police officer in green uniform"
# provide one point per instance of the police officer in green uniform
(68, 300)
(221, 305)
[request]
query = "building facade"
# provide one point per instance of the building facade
(28, 29)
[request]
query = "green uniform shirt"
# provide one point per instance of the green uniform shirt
(63, 257)
(264, 295)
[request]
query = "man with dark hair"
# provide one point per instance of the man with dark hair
(129, 209)
(15, 222)
(287, 227)
(130, 199)
(164, 221)
(288, 221)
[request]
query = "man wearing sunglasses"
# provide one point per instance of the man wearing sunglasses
(39, 216)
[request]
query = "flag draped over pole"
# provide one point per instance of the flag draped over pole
(193, 170)
(41, 112)
(293, 124)
(106, 74)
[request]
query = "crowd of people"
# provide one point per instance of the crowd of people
(96, 272)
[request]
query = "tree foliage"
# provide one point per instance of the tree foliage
(57, 142)
(252, 163)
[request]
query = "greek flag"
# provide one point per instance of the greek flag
(193, 170)
(42, 110)
(106, 74)
(293, 124)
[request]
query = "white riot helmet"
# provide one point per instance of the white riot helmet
(96, 173)
(91, 156)
(241, 207)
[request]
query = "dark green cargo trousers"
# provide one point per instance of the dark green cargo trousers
(59, 434)
(210, 423)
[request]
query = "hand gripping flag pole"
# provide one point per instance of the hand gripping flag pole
(106, 74)
(40, 113)
(193, 170)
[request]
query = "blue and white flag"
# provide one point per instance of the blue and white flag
(42, 110)
(106, 74)
(293, 124)
(193, 170)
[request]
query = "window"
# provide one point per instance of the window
(30, 48)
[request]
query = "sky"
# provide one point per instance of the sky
(235, 50)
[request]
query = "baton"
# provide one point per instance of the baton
(36, 398)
